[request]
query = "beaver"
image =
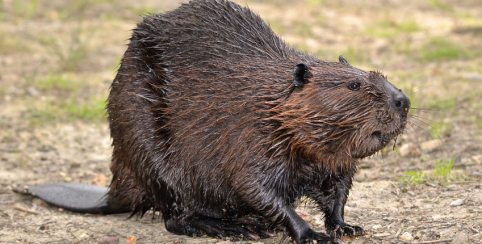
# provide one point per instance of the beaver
(221, 126)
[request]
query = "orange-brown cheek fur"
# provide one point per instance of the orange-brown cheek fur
(330, 125)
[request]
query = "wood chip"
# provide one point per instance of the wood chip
(470, 217)
(382, 234)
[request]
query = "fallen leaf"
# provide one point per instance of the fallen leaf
(131, 240)
(99, 180)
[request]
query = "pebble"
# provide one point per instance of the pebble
(457, 202)
(430, 145)
(80, 234)
(477, 159)
(406, 236)
(447, 232)
(460, 238)
(408, 149)
(476, 76)
(32, 91)
(317, 222)
(377, 227)
(480, 223)
(360, 178)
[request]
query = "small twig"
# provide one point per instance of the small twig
(6, 202)
(472, 228)
(433, 221)
(20, 208)
(435, 241)
(8, 195)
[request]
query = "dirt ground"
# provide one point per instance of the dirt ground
(57, 59)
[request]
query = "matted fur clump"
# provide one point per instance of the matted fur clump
(221, 126)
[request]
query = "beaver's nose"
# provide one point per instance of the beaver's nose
(400, 101)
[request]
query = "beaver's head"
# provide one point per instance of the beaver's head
(338, 111)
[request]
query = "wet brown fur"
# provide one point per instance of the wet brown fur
(207, 122)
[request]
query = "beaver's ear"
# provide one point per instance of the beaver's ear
(302, 74)
(342, 60)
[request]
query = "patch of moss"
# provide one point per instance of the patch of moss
(442, 6)
(72, 55)
(391, 28)
(276, 26)
(356, 55)
(303, 29)
(68, 109)
(443, 104)
(58, 82)
(25, 8)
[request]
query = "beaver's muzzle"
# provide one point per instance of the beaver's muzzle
(399, 101)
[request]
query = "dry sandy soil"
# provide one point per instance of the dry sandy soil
(57, 59)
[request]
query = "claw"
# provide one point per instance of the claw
(324, 234)
(348, 230)
(309, 236)
(270, 233)
(338, 241)
(343, 229)
(254, 236)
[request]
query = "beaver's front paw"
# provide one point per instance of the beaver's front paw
(340, 229)
(309, 236)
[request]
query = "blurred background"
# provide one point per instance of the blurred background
(58, 58)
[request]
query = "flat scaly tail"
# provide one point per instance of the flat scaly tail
(81, 198)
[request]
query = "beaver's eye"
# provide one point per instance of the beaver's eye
(354, 86)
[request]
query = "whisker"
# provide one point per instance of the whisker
(422, 121)
(429, 125)
(410, 123)
(420, 118)
(427, 109)
(419, 137)
(394, 143)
